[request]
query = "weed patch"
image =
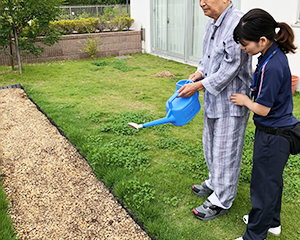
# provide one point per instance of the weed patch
(181, 147)
(118, 124)
(101, 63)
(135, 193)
(97, 116)
(122, 152)
(171, 201)
(121, 65)
(291, 179)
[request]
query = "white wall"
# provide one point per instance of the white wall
(282, 11)
(140, 12)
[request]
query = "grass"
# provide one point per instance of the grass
(6, 226)
(150, 170)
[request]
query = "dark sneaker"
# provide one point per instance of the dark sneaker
(202, 190)
(207, 211)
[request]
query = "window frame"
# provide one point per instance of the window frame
(298, 14)
(161, 47)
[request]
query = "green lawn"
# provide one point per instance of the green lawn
(6, 227)
(150, 170)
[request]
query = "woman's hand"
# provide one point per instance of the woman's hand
(243, 100)
(239, 99)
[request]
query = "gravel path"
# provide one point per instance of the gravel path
(53, 191)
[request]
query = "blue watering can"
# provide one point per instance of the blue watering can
(179, 110)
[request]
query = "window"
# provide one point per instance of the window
(168, 26)
(178, 27)
(298, 15)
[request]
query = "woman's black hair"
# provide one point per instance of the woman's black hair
(258, 23)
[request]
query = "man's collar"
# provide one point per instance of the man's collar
(223, 15)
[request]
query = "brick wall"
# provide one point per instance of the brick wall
(114, 43)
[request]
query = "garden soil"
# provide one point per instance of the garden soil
(52, 190)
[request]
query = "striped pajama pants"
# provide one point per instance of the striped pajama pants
(223, 141)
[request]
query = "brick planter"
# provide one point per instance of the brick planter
(114, 43)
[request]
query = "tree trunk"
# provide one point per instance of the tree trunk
(17, 50)
(11, 53)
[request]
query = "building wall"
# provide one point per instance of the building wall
(71, 47)
(141, 12)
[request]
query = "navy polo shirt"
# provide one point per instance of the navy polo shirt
(273, 89)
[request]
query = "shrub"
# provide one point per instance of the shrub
(84, 25)
(101, 24)
(90, 25)
(121, 24)
(91, 46)
(126, 22)
(112, 24)
(63, 26)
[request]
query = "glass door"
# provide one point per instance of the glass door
(178, 27)
(168, 26)
(159, 24)
(175, 26)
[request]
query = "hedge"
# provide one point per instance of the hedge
(91, 25)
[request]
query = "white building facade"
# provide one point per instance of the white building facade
(174, 28)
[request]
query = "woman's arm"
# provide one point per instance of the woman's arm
(243, 100)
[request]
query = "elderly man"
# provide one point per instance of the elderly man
(224, 69)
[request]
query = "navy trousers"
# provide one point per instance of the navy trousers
(270, 155)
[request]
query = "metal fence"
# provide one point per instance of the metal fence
(71, 12)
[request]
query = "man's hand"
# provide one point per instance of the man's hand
(195, 76)
(190, 89)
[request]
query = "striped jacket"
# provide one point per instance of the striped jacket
(225, 68)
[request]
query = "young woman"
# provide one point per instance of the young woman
(272, 106)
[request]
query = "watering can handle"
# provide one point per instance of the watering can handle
(176, 94)
(172, 99)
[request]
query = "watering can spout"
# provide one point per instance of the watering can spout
(135, 125)
(167, 119)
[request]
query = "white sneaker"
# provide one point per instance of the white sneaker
(275, 230)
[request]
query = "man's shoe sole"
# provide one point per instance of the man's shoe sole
(221, 213)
